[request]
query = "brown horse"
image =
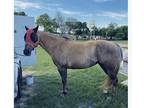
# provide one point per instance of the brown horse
(70, 54)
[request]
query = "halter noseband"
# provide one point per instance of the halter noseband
(29, 42)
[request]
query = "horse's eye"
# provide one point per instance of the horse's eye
(34, 37)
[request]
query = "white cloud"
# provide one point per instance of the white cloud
(77, 13)
(25, 5)
(115, 15)
(86, 15)
(68, 12)
(53, 5)
(21, 4)
(101, 1)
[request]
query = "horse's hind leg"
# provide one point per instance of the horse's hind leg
(63, 74)
(112, 80)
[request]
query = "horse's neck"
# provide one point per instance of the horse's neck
(49, 43)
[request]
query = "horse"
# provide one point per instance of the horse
(71, 54)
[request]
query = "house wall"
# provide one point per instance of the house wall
(19, 30)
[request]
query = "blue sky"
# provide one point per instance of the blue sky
(102, 12)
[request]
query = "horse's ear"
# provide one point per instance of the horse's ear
(36, 29)
(26, 28)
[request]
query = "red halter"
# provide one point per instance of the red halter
(29, 42)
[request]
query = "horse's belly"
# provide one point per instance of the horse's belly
(79, 67)
(81, 64)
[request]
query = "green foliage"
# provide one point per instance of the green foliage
(112, 26)
(122, 32)
(112, 30)
(112, 33)
(103, 32)
(81, 29)
(78, 28)
(120, 35)
(125, 31)
(94, 31)
(71, 24)
(85, 29)
(45, 21)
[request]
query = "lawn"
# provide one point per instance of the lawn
(84, 87)
(122, 43)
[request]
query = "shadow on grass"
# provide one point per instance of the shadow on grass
(84, 92)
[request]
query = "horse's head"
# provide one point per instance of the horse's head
(31, 40)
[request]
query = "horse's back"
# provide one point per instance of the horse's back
(75, 54)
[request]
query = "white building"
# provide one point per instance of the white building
(19, 59)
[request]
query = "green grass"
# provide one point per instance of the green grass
(84, 87)
(121, 42)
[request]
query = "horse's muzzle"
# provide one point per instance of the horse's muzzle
(27, 52)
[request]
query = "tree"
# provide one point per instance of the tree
(122, 32)
(103, 32)
(111, 30)
(94, 30)
(54, 25)
(119, 35)
(45, 21)
(81, 28)
(71, 24)
(114, 31)
(77, 28)
(60, 20)
(20, 13)
(125, 32)
(85, 29)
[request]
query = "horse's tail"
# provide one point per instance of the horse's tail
(121, 51)
(120, 66)
(121, 55)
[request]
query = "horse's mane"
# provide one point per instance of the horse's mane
(58, 36)
(67, 38)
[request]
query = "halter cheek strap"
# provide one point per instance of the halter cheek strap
(28, 39)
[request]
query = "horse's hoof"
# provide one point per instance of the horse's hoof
(64, 93)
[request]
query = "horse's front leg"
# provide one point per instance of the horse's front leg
(63, 74)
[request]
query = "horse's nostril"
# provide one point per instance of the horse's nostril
(26, 52)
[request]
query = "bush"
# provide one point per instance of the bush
(120, 36)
